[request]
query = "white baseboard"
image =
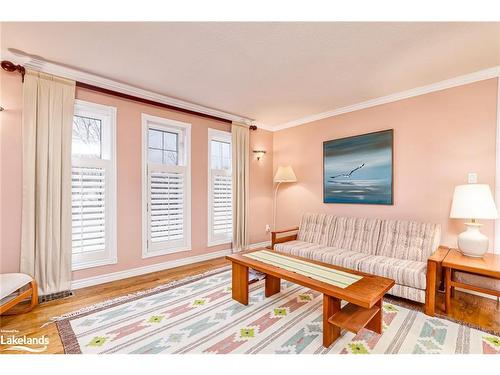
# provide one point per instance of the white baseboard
(259, 244)
(101, 279)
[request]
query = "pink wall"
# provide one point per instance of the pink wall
(128, 180)
(261, 185)
(438, 138)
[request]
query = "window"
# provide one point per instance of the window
(220, 213)
(93, 189)
(166, 186)
(163, 147)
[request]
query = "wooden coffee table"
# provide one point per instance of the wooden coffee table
(365, 295)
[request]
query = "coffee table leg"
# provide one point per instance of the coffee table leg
(331, 305)
(375, 324)
(273, 285)
(240, 283)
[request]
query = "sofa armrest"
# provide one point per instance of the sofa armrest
(285, 235)
(439, 255)
(433, 278)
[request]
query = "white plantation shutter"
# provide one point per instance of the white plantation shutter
(221, 203)
(88, 191)
(93, 194)
(167, 186)
(166, 207)
(220, 210)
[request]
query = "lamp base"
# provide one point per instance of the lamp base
(472, 242)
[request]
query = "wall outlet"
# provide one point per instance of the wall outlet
(472, 178)
(268, 228)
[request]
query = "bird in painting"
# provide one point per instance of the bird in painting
(349, 174)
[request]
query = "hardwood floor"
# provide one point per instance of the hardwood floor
(478, 311)
(465, 307)
(29, 324)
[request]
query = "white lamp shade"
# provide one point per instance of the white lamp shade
(285, 174)
(473, 201)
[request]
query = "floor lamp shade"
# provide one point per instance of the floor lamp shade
(283, 174)
(473, 201)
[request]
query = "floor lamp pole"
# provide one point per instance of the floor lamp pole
(275, 204)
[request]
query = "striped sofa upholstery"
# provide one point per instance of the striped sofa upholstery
(392, 248)
(316, 228)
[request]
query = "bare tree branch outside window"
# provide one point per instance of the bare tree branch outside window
(87, 136)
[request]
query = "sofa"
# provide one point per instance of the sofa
(396, 249)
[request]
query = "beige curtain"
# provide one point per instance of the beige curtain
(48, 103)
(240, 158)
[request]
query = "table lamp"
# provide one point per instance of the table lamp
(473, 201)
(283, 174)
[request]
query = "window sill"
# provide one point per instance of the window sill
(219, 242)
(91, 264)
(151, 254)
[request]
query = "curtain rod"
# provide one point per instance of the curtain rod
(11, 67)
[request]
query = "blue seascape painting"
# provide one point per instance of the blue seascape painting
(358, 169)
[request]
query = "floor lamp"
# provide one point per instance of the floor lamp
(283, 174)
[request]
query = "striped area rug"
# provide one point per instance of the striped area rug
(197, 315)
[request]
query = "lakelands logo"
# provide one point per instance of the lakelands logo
(23, 343)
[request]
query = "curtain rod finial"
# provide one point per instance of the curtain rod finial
(11, 67)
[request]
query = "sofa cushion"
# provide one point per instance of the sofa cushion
(342, 258)
(316, 228)
(298, 248)
(337, 257)
(408, 240)
(403, 272)
(355, 234)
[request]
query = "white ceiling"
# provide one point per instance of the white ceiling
(271, 72)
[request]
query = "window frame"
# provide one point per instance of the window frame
(180, 146)
(183, 130)
(107, 116)
(221, 136)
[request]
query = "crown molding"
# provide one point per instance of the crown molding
(92, 79)
(465, 79)
(96, 80)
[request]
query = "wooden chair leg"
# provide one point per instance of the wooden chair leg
(34, 294)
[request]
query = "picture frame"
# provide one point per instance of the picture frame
(359, 169)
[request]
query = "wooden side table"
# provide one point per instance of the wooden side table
(488, 266)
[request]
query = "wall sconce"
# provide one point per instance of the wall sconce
(1, 108)
(259, 153)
